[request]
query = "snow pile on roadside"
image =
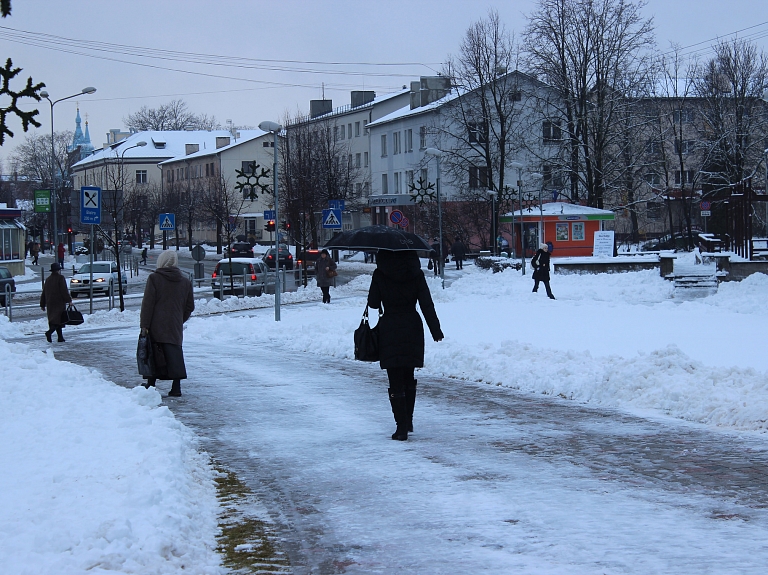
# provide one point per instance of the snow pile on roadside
(97, 478)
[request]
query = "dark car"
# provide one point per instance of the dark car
(309, 259)
(286, 259)
(248, 276)
(678, 241)
(239, 250)
(6, 278)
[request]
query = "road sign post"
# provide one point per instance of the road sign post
(332, 219)
(42, 201)
(90, 205)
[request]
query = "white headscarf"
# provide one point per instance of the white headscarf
(544, 247)
(168, 259)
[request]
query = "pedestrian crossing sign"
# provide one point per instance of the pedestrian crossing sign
(332, 219)
(167, 222)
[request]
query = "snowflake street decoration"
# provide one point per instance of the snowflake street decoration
(507, 195)
(252, 181)
(422, 193)
(30, 91)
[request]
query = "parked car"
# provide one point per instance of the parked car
(239, 250)
(6, 278)
(678, 241)
(309, 259)
(285, 256)
(104, 276)
(252, 271)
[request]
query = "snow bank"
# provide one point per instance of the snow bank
(97, 478)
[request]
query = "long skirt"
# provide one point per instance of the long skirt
(169, 361)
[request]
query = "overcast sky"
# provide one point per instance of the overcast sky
(382, 45)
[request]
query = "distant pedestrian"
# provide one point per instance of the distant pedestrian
(144, 256)
(54, 300)
(436, 255)
(60, 251)
(28, 248)
(325, 266)
(540, 265)
(459, 252)
(168, 302)
(35, 253)
(397, 285)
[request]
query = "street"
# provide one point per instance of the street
(492, 480)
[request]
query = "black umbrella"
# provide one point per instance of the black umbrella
(378, 238)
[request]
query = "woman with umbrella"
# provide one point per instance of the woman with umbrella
(397, 284)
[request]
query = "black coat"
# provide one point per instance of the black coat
(540, 264)
(458, 250)
(397, 284)
(55, 297)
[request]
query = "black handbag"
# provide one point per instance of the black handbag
(71, 316)
(145, 357)
(367, 339)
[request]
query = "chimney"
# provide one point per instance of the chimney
(191, 148)
(320, 107)
(362, 97)
(222, 141)
(433, 88)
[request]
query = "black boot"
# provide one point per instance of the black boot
(48, 335)
(400, 410)
(175, 389)
(150, 382)
(410, 398)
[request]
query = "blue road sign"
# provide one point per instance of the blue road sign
(269, 214)
(90, 205)
(167, 222)
(336, 205)
(332, 219)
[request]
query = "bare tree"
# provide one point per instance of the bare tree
(592, 51)
(171, 116)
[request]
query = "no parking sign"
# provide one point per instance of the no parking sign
(397, 217)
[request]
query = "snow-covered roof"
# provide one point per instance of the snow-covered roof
(406, 111)
(563, 209)
(160, 145)
(245, 136)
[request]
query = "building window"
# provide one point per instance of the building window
(478, 177)
(206, 170)
(341, 132)
(365, 128)
(357, 129)
(248, 166)
(476, 132)
(357, 160)
(653, 179)
(654, 210)
(168, 177)
(384, 187)
(367, 189)
(422, 137)
(686, 146)
(397, 183)
(408, 180)
(358, 189)
(349, 131)
(365, 159)
(383, 145)
(395, 143)
(424, 175)
(683, 178)
(409, 140)
(682, 116)
(141, 176)
(335, 133)
(516, 96)
(552, 131)
(655, 148)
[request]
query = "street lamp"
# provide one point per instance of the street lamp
(44, 94)
(441, 262)
(275, 129)
(492, 194)
(519, 167)
(538, 176)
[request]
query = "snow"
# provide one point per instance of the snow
(103, 478)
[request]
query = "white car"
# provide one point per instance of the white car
(104, 276)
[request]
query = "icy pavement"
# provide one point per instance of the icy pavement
(492, 481)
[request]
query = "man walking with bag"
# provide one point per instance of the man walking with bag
(54, 300)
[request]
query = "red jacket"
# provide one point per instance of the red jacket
(61, 251)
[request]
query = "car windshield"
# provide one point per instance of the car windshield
(97, 269)
(238, 268)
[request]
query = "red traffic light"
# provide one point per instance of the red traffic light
(270, 226)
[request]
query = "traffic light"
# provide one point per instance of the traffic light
(69, 229)
(270, 226)
(287, 226)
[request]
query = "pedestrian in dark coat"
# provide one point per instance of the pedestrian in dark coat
(168, 302)
(35, 251)
(325, 264)
(436, 255)
(54, 300)
(459, 252)
(397, 284)
(144, 256)
(540, 265)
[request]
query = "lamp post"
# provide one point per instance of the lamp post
(519, 167)
(494, 243)
(275, 129)
(538, 176)
(441, 261)
(44, 94)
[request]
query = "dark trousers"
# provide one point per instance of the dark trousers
(546, 286)
(326, 293)
(459, 263)
(54, 327)
(399, 378)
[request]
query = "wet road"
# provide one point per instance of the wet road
(492, 481)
